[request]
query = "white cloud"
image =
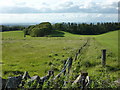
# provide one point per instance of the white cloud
(57, 17)
(84, 10)
(8, 3)
(93, 6)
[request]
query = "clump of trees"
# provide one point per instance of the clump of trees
(39, 30)
(87, 29)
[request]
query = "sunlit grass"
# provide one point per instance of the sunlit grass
(34, 54)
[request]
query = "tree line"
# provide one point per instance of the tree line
(87, 29)
(11, 28)
(46, 28)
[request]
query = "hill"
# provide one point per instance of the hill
(40, 54)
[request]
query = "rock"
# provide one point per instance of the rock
(83, 79)
(50, 73)
(37, 78)
(117, 82)
(13, 82)
(44, 78)
(2, 83)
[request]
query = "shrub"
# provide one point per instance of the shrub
(39, 30)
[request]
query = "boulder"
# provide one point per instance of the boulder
(2, 83)
(13, 82)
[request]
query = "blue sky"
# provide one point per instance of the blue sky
(12, 11)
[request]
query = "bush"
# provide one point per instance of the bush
(39, 30)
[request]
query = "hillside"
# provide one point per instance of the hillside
(37, 55)
(110, 40)
(34, 51)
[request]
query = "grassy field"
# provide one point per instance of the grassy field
(110, 40)
(34, 54)
(90, 59)
(40, 54)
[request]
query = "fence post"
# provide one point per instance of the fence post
(103, 57)
(70, 64)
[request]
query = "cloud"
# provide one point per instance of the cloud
(67, 6)
(22, 10)
(58, 17)
(18, 10)
(91, 7)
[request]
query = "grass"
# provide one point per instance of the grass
(90, 58)
(33, 53)
(40, 54)
(109, 40)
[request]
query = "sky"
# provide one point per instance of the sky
(35, 11)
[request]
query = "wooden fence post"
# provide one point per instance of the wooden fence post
(70, 64)
(103, 57)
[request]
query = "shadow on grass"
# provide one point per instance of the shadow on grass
(14, 72)
(110, 68)
(56, 34)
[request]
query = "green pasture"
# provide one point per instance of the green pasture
(34, 54)
(37, 55)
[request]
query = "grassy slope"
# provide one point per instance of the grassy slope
(110, 40)
(90, 58)
(34, 54)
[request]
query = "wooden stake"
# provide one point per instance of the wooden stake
(103, 57)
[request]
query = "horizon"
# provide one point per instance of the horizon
(57, 17)
(28, 24)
